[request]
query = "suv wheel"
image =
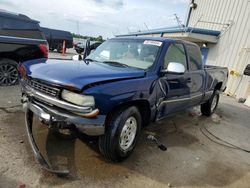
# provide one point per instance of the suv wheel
(208, 108)
(8, 72)
(121, 134)
(59, 48)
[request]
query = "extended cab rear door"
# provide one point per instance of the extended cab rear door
(197, 73)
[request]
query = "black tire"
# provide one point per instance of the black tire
(78, 51)
(208, 108)
(109, 143)
(60, 48)
(51, 49)
(8, 72)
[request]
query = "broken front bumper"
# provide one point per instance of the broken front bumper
(51, 115)
(88, 126)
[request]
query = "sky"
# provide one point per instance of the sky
(101, 17)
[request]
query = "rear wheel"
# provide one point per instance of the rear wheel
(8, 72)
(208, 108)
(59, 48)
(121, 135)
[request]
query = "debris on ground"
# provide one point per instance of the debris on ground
(22, 186)
(159, 144)
(192, 114)
(242, 100)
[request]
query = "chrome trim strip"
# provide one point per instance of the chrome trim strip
(62, 104)
(183, 99)
(22, 38)
(208, 92)
(54, 101)
(38, 111)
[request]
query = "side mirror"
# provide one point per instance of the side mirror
(174, 68)
(86, 49)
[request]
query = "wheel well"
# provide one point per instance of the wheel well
(142, 105)
(9, 60)
(9, 57)
(218, 86)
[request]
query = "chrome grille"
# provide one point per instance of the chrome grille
(43, 88)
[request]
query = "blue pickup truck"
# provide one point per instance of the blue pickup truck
(123, 85)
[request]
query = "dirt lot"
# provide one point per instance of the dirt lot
(192, 160)
(70, 52)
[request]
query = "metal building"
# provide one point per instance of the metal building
(222, 29)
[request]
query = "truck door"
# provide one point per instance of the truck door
(174, 83)
(196, 70)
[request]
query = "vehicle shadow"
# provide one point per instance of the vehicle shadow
(191, 160)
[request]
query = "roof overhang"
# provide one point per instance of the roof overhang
(196, 35)
(193, 37)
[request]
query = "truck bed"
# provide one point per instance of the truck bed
(215, 75)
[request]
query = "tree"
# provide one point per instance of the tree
(99, 38)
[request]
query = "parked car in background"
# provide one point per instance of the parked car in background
(80, 46)
(56, 38)
(20, 40)
(120, 87)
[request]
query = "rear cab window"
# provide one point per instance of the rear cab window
(194, 56)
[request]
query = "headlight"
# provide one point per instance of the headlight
(81, 100)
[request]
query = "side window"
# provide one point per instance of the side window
(175, 53)
(195, 59)
(19, 28)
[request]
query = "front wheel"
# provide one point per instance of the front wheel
(121, 134)
(208, 108)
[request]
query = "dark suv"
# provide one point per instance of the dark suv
(20, 40)
(56, 38)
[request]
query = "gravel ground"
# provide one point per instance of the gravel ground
(192, 160)
(70, 52)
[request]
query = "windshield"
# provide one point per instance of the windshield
(133, 53)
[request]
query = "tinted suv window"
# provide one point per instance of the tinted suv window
(195, 59)
(175, 53)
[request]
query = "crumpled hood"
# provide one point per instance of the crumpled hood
(77, 73)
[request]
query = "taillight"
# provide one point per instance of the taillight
(21, 69)
(44, 50)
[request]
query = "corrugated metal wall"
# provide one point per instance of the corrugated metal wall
(232, 49)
